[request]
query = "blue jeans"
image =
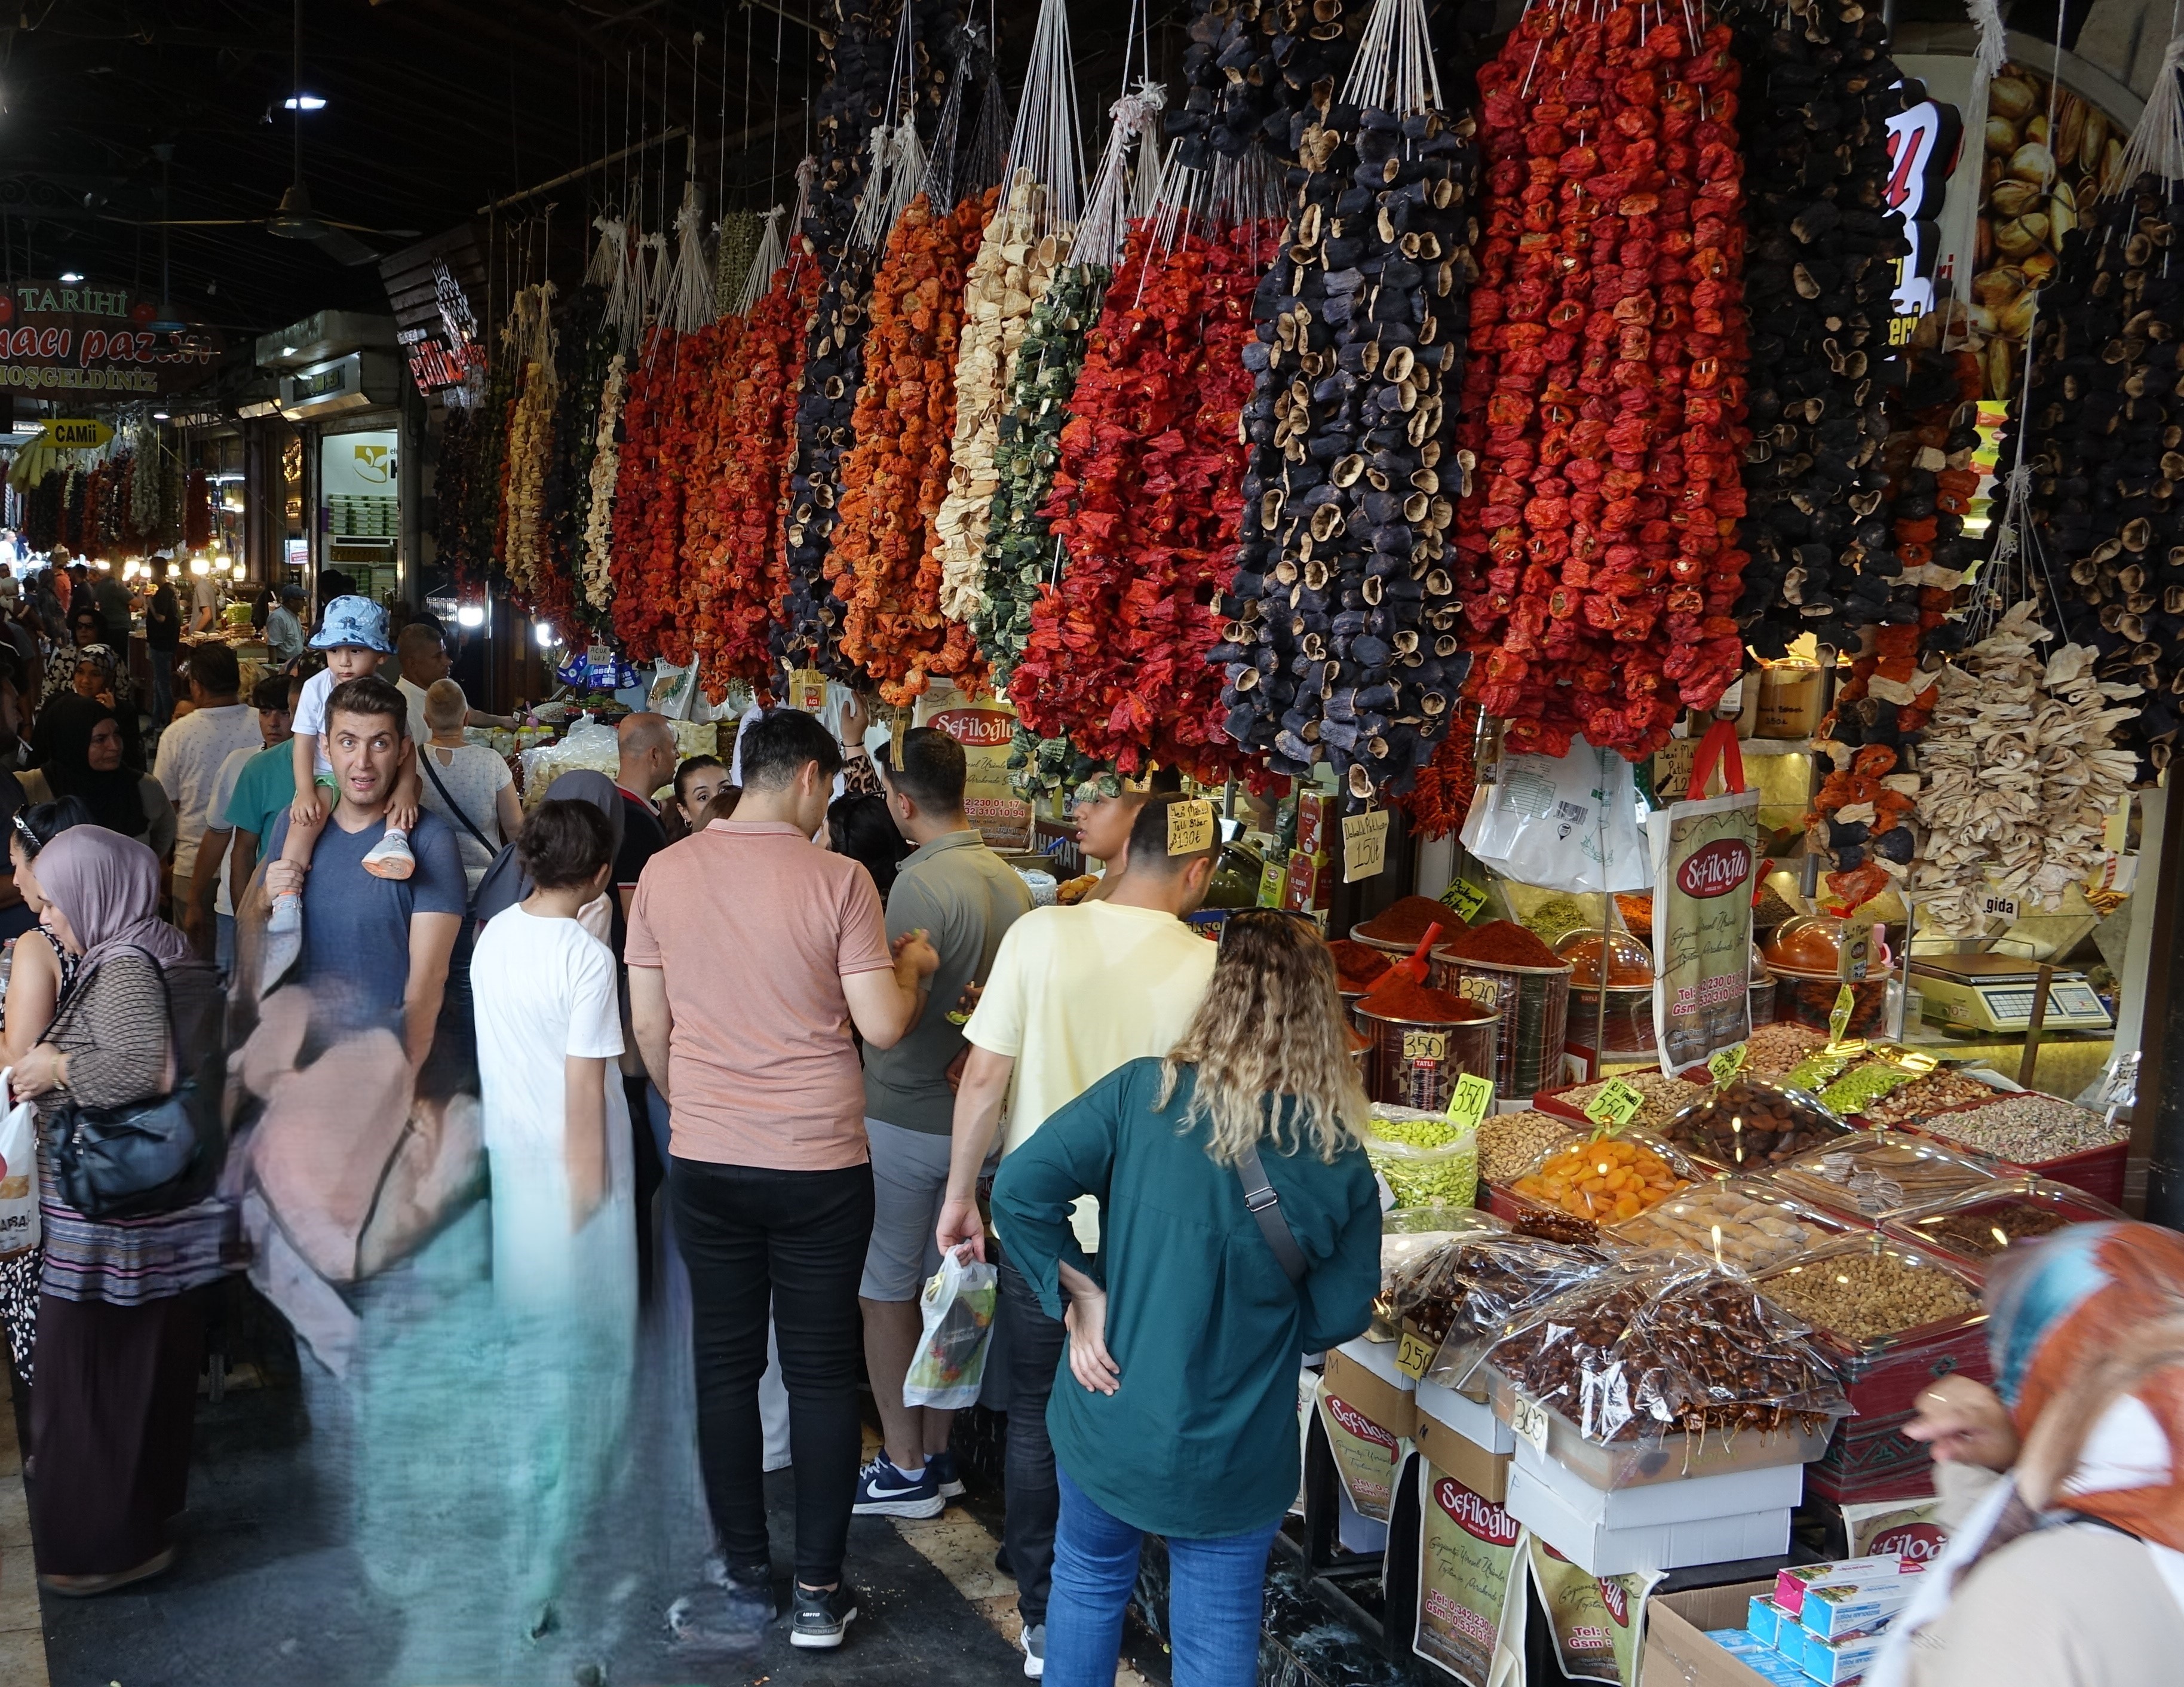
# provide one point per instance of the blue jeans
(1217, 1592)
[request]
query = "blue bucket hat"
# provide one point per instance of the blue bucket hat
(354, 620)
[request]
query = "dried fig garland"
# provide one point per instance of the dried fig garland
(1605, 399)
(1021, 552)
(884, 566)
(1145, 503)
(1343, 644)
(1818, 284)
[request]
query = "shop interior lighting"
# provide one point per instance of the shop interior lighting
(158, 416)
(71, 277)
(545, 635)
(471, 615)
(304, 102)
(200, 567)
(236, 571)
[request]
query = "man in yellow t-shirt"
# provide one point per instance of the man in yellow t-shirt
(1074, 993)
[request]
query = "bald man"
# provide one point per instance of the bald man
(648, 765)
(422, 651)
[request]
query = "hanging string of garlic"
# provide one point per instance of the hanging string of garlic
(766, 263)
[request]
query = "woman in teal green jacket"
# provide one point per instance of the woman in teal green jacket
(1178, 1415)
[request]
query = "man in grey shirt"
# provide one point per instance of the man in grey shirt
(963, 896)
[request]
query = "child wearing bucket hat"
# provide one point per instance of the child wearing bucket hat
(355, 636)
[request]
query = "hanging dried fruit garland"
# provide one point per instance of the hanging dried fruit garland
(885, 563)
(1818, 284)
(1146, 501)
(597, 586)
(660, 436)
(1255, 68)
(737, 564)
(1604, 399)
(587, 351)
(525, 537)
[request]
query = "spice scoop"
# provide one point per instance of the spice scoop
(1409, 971)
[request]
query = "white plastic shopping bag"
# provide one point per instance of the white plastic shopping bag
(958, 1305)
(1562, 822)
(19, 1230)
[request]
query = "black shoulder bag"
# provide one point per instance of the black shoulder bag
(1266, 1208)
(129, 1162)
(425, 760)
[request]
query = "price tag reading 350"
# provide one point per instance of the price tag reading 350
(1616, 1105)
(1468, 1104)
(1425, 1045)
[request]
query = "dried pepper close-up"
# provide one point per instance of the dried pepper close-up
(885, 562)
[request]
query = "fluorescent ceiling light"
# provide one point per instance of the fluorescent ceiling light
(304, 102)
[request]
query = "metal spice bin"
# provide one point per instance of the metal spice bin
(1533, 1006)
(1416, 1062)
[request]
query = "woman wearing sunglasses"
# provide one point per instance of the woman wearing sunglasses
(1177, 1414)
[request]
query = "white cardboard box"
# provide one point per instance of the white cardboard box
(1603, 1552)
(1473, 1420)
(1379, 1358)
(1773, 1488)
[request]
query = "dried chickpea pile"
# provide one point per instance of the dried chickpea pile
(1665, 1097)
(1510, 1142)
(1603, 1181)
(1863, 1297)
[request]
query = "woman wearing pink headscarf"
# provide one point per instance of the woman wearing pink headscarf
(2063, 1483)
(120, 1322)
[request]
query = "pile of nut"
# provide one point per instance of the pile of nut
(1865, 1297)
(1875, 1174)
(1747, 1124)
(1460, 1294)
(1925, 1095)
(1734, 1223)
(2027, 1129)
(1981, 1232)
(1665, 1097)
(1508, 1143)
(1772, 1050)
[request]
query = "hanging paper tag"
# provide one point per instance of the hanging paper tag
(1413, 1355)
(1190, 826)
(1616, 1105)
(1839, 1016)
(1727, 1064)
(1468, 1104)
(1364, 845)
(1466, 898)
(1528, 1421)
(807, 690)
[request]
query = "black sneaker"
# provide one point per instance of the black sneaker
(819, 1620)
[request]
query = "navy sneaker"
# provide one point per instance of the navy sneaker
(883, 1491)
(941, 1468)
(819, 1620)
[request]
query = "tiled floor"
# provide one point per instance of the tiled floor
(22, 1644)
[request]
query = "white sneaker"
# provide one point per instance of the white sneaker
(288, 915)
(1035, 1651)
(390, 857)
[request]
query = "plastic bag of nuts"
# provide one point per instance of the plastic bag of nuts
(1748, 1125)
(1740, 1223)
(1876, 1174)
(1662, 1344)
(1461, 1295)
(1872, 1291)
(1408, 1235)
(1987, 1221)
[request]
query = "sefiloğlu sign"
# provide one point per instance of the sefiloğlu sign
(79, 339)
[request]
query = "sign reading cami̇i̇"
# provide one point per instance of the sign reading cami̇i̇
(82, 338)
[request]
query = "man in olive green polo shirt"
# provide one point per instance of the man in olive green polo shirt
(963, 896)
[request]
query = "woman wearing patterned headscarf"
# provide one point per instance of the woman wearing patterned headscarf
(2065, 1482)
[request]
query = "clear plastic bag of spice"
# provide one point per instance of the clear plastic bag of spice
(1462, 1295)
(1660, 1344)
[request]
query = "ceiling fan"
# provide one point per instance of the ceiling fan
(293, 219)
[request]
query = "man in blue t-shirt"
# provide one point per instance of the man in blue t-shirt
(373, 950)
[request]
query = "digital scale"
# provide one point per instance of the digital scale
(1993, 993)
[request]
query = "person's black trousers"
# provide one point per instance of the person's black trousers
(1035, 1344)
(793, 1242)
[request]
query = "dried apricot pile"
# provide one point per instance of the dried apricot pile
(1611, 1179)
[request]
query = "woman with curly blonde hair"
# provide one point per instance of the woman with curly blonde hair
(1186, 1332)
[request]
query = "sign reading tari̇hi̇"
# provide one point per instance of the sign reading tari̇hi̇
(82, 339)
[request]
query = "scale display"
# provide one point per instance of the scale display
(2004, 1005)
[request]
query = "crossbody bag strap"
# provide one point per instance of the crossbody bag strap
(1265, 1207)
(425, 755)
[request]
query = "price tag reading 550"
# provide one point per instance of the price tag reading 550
(1616, 1105)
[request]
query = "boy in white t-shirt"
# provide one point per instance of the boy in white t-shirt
(354, 638)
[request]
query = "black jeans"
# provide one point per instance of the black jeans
(793, 1241)
(1033, 1500)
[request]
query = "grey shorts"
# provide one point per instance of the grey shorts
(909, 1180)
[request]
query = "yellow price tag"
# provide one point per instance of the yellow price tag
(1472, 1096)
(1839, 1016)
(1528, 1421)
(1364, 845)
(1413, 1355)
(807, 690)
(1727, 1064)
(1466, 898)
(1616, 1105)
(1190, 826)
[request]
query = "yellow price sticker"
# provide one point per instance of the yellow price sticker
(1616, 1105)
(1190, 826)
(1465, 897)
(1413, 1355)
(1839, 1016)
(1727, 1064)
(1472, 1096)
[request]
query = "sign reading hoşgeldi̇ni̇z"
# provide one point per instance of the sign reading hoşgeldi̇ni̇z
(82, 338)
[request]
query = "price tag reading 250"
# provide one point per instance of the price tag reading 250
(1616, 1106)
(1413, 1355)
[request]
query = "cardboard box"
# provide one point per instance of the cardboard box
(1601, 1551)
(1832, 1613)
(1792, 1585)
(1367, 1424)
(1482, 1471)
(1834, 1662)
(1378, 1357)
(1763, 1620)
(1473, 1419)
(1310, 884)
(1694, 1499)
(1316, 817)
(1679, 1652)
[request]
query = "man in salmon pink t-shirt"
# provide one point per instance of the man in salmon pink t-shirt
(752, 952)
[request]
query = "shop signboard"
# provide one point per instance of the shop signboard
(1922, 140)
(97, 342)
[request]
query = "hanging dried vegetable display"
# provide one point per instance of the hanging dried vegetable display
(597, 564)
(885, 566)
(147, 515)
(1252, 69)
(1145, 503)
(735, 564)
(585, 350)
(197, 512)
(1342, 644)
(1605, 399)
(1440, 802)
(659, 440)
(735, 248)
(2018, 780)
(1818, 280)
(528, 342)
